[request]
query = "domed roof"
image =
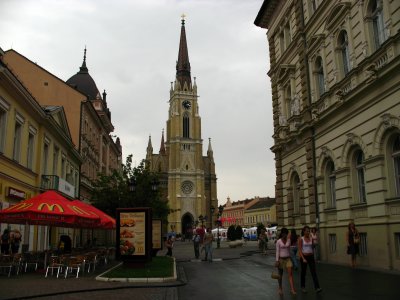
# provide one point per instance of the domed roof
(83, 82)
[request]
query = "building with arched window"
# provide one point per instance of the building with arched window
(188, 179)
(338, 155)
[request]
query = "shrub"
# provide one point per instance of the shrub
(235, 232)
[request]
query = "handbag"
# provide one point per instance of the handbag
(275, 275)
(356, 240)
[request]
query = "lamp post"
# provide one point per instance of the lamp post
(212, 209)
(220, 210)
(201, 218)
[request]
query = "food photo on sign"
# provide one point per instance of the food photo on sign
(132, 233)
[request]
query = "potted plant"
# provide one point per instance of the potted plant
(235, 235)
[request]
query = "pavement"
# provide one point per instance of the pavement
(34, 284)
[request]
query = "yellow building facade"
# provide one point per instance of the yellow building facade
(36, 153)
(336, 115)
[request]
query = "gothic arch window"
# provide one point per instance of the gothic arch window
(186, 125)
(358, 171)
(319, 76)
(344, 52)
(330, 184)
(295, 183)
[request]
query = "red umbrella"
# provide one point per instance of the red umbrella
(106, 221)
(49, 208)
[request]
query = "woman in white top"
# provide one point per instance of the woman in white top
(283, 260)
(306, 252)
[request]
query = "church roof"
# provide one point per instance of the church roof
(83, 82)
(183, 64)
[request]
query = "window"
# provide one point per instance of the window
(19, 121)
(363, 247)
(396, 163)
(186, 126)
(62, 175)
(344, 51)
(332, 243)
(288, 100)
(56, 154)
(319, 76)
(4, 107)
(359, 175)
(285, 37)
(397, 244)
(330, 178)
(296, 194)
(378, 28)
(31, 147)
(45, 156)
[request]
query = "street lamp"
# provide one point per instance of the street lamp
(201, 218)
(220, 210)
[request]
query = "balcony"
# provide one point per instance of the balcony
(53, 182)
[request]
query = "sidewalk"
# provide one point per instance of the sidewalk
(337, 280)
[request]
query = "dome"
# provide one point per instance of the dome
(83, 82)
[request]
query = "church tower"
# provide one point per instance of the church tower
(189, 177)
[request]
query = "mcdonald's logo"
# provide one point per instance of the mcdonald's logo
(79, 210)
(20, 206)
(50, 207)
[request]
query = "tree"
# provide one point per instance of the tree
(112, 191)
(235, 232)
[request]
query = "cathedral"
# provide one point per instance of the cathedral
(187, 178)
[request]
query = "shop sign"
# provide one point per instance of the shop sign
(14, 193)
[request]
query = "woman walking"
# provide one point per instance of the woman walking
(283, 260)
(306, 252)
(353, 240)
(293, 248)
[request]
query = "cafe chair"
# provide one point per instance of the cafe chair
(55, 263)
(6, 263)
(30, 258)
(74, 263)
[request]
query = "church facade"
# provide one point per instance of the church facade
(187, 178)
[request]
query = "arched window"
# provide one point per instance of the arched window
(359, 168)
(378, 28)
(330, 179)
(186, 127)
(296, 194)
(396, 163)
(319, 76)
(343, 44)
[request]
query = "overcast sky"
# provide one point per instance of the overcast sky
(132, 48)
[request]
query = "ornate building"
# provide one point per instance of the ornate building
(188, 179)
(336, 115)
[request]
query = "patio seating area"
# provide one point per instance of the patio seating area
(52, 263)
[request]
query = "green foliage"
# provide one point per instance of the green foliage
(234, 233)
(112, 191)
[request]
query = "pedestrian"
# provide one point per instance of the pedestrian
(306, 252)
(5, 242)
(15, 240)
(196, 245)
(294, 248)
(353, 241)
(263, 241)
(315, 239)
(283, 260)
(169, 244)
(207, 242)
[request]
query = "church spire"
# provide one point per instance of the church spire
(162, 146)
(84, 69)
(149, 147)
(183, 64)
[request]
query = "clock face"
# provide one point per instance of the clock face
(186, 104)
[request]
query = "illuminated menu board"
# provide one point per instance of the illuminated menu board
(157, 234)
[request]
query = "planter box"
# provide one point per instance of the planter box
(234, 244)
